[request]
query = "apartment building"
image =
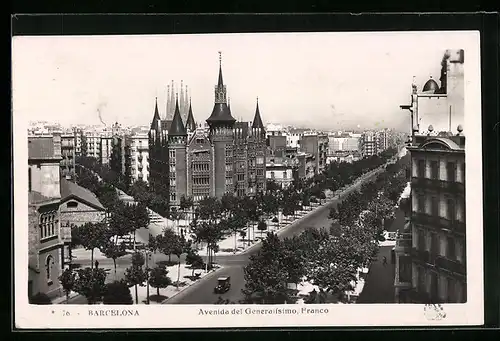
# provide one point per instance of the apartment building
(368, 144)
(431, 252)
(280, 170)
(139, 156)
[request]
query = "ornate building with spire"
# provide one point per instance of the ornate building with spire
(188, 160)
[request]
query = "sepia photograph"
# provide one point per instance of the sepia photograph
(248, 179)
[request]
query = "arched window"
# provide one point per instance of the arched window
(48, 267)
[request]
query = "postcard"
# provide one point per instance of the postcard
(247, 180)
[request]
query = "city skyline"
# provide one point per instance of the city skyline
(86, 84)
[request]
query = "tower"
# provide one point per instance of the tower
(221, 132)
(177, 158)
(169, 104)
(190, 122)
(158, 165)
(257, 154)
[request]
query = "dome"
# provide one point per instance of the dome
(431, 85)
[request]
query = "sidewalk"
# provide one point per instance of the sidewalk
(379, 285)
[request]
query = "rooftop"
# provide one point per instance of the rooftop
(41, 148)
(71, 190)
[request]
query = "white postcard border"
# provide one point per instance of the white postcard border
(188, 316)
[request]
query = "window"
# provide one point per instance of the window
(29, 179)
(229, 181)
(49, 263)
(451, 171)
(72, 204)
(272, 175)
(421, 280)
(259, 160)
(47, 225)
(421, 203)
(260, 172)
(434, 286)
(434, 206)
(421, 240)
(421, 169)
(241, 177)
(434, 170)
(229, 167)
(172, 168)
(173, 196)
(434, 244)
(171, 154)
(450, 248)
(450, 290)
(451, 212)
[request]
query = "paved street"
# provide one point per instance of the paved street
(379, 285)
(202, 292)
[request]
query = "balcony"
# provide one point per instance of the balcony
(422, 256)
(452, 266)
(439, 223)
(438, 185)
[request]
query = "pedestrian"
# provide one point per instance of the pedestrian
(384, 261)
(96, 263)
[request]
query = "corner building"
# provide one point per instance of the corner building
(189, 160)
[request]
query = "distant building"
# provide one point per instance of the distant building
(306, 166)
(105, 148)
(293, 137)
(139, 157)
(276, 145)
(280, 170)
(431, 250)
(68, 153)
(382, 140)
(120, 161)
(187, 160)
(317, 146)
(92, 140)
(45, 246)
(368, 144)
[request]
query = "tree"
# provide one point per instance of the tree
(68, 280)
(166, 243)
(117, 292)
(92, 236)
(158, 278)
(114, 251)
(135, 275)
(179, 247)
(185, 204)
(262, 226)
(266, 278)
(195, 261)
(209, 232)
(140, 218)
(235, 224)
(40, 299)
(90, 282)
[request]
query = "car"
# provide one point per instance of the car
(223, 285)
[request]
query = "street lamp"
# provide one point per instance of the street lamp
(147, 254)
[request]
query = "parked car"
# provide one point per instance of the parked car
(223, 285)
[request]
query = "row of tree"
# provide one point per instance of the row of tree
(91, 281)
(330, 258)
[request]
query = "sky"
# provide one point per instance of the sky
(316, 80)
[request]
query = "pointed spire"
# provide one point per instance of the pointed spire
(156, 116)
(169, 104)
(220, 82)
(257, 120)
(190, 122)
(181, 100)
(177, 127)
(172, 101)
(229, 104)
(186, 105)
